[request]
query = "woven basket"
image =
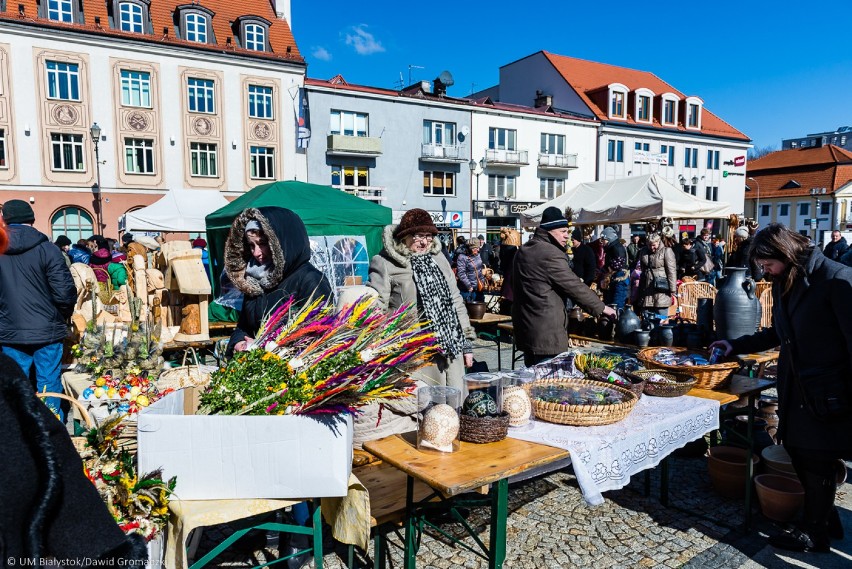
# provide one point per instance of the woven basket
(197, 375)
(637, 384)
(715, 376)
(685, 382)
(483, 429)
(581, 415)
(78, 440)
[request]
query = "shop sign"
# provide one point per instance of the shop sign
(454, 219)
(737, 162)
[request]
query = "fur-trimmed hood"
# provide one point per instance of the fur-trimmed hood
(396, 251)
(288, 242)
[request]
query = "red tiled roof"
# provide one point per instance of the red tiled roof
(797, 157)
(587, 77)
(162, 17)
(826, 167)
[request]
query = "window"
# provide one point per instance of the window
(201, 96)
(348, 123)
(351, 176)
(255, 37)
(439, 133)
(550, 188)
(195, 27)
(135, 88)
(843, 140)
(712, 159)
(60, 11)
(764, 210)
(824, 208)
(203, 159)
(73, 222)
(783, 210)
(502, 187)
(63, 81)
(804, 208)
(711, 193)
(138, 156)
(502, 139)
(641, 155)
(617, 109)
(262, 163)
(439, 184)
(793, 144)
(668, 151)
(552, 143)
(694, 115)
(643, 108)
(260, 102)
(690, 157)
(690, 189)
(130, 17)
(669, 111)
(3, 149)
(67, 151)
(615, 151)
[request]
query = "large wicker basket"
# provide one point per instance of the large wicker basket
(714, 376)
(581, 415)
(79, 441)
(683, 383)
(483, 429)
(192, 375)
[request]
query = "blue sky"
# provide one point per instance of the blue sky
(772, 69)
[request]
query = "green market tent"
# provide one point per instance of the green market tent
(323, 209)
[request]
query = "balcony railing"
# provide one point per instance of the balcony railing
(511, 157)
(340, 145)
(557, 161)
(443, 153)
(371, 193)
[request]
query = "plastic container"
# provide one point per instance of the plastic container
(438, 418)
(486, 382)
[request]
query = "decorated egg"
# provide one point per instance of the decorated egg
(439, 428)
(88, 392)
(479, 404)
(99, 392)
(124, 407)
(517, 404)
(134, 391)
(142, 401)
(111, 392)
(100, 382)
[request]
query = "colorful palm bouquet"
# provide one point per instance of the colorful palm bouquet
(316, 360)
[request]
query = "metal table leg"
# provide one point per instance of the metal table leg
(499, 513)
(410, 548)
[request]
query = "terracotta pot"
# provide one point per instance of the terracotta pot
(476, 310)
(727, 468)
(841, 472)
(780, 497)
(776, 458)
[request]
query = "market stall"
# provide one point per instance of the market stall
(178, 211)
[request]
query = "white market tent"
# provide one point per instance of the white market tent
(179, 210)
(629, 200)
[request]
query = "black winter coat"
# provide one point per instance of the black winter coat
(47, 505)
(292, 273)
(813, 326)
(584, 264)
(835, 251)
(37, 293)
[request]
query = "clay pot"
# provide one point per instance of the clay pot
(575, 320)
(606, 328)
(642, 338)
(736, 309)
(476, 310)
(780, 497)
(665, 336)
(727, 468)
(628, 322)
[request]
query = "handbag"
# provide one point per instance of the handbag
(479, 286)
(708, 266)
(661, 284)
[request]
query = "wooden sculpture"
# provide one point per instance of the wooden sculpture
(189, 288)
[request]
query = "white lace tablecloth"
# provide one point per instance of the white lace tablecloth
(605, 457)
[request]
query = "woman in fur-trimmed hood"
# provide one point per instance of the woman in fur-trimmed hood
(411, 269)
(267, 257)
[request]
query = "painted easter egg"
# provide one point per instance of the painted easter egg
(88, 392)
(439, 428)
(517, 404)
(480, 404)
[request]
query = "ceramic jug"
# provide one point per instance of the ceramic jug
(628, 322)
(736, 309)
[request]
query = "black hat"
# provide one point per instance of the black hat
(127, 238)
(62, 241)
(415, 221)
(552, 218)
(577, 235)
(18, 211)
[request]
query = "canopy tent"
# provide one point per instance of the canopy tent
(325, 211)
(178, 210)
(629, 200)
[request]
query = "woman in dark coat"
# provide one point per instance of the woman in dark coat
(812, 322)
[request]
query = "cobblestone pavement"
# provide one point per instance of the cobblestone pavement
(551, 526)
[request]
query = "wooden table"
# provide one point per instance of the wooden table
(486, 328)
(454, 474)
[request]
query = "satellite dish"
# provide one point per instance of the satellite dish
(446, 78)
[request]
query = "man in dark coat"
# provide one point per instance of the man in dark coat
(542, 281)
(633, 251)
(812, 324)
(584, 265)
(486, 253)
(742, 256)
(37, 297)
(835, 248)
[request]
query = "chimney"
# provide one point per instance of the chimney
(282, 10)
(542, 100)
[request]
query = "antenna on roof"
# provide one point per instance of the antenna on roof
(472, 85)
(410, 67)
(400, 83)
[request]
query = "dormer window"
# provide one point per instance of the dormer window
(131, 16)
(617, 101)
(668, 110)
(60, 11)
(644, 110)
(253, 33)
(194, 23)
(196, 28)
(693, 113)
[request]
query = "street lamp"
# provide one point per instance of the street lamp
(757, 203)
(95, 131)
(815, 193)
(476, 168)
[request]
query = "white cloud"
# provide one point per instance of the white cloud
(363, 41)
(321, 53)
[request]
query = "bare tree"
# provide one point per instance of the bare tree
(758, 152)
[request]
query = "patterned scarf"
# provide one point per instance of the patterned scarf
(434, 293)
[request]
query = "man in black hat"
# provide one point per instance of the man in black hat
(64, 245)
(543, 281)
(37, 297)
(583, 258)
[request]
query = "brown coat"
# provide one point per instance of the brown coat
(542, 281)
(661, 263)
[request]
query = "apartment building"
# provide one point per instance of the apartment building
(840, 137)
